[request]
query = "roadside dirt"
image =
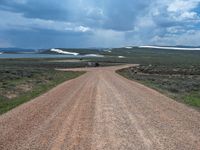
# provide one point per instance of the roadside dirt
(101, 110)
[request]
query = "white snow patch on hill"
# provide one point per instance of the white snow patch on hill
(93, 55)
(173, 48)
(128, 47)
(121, 57)
(64, 52)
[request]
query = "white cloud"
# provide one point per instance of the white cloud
(82, 29)
(176, 30)
(188, 38)
(183, 10)
(182, 5)
(18, 21)
(188, 15)
(77, 28)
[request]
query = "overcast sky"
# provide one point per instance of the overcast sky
(98, 23)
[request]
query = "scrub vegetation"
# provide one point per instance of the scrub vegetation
(178, 82)
(23, 80)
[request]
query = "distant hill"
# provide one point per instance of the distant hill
(172, 47)
(100, 51)
(71, 50)
(13, 50)
(183, 46)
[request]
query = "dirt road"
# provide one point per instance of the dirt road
(101, 110)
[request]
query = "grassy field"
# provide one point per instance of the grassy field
(181, 83)
(23, 80)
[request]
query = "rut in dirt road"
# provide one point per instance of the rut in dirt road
(100, 110)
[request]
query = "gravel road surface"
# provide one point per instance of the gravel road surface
(101, 110)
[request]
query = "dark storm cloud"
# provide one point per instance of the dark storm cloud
(117, 15)
(45, 38)
(78, 23)
(44, 9)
